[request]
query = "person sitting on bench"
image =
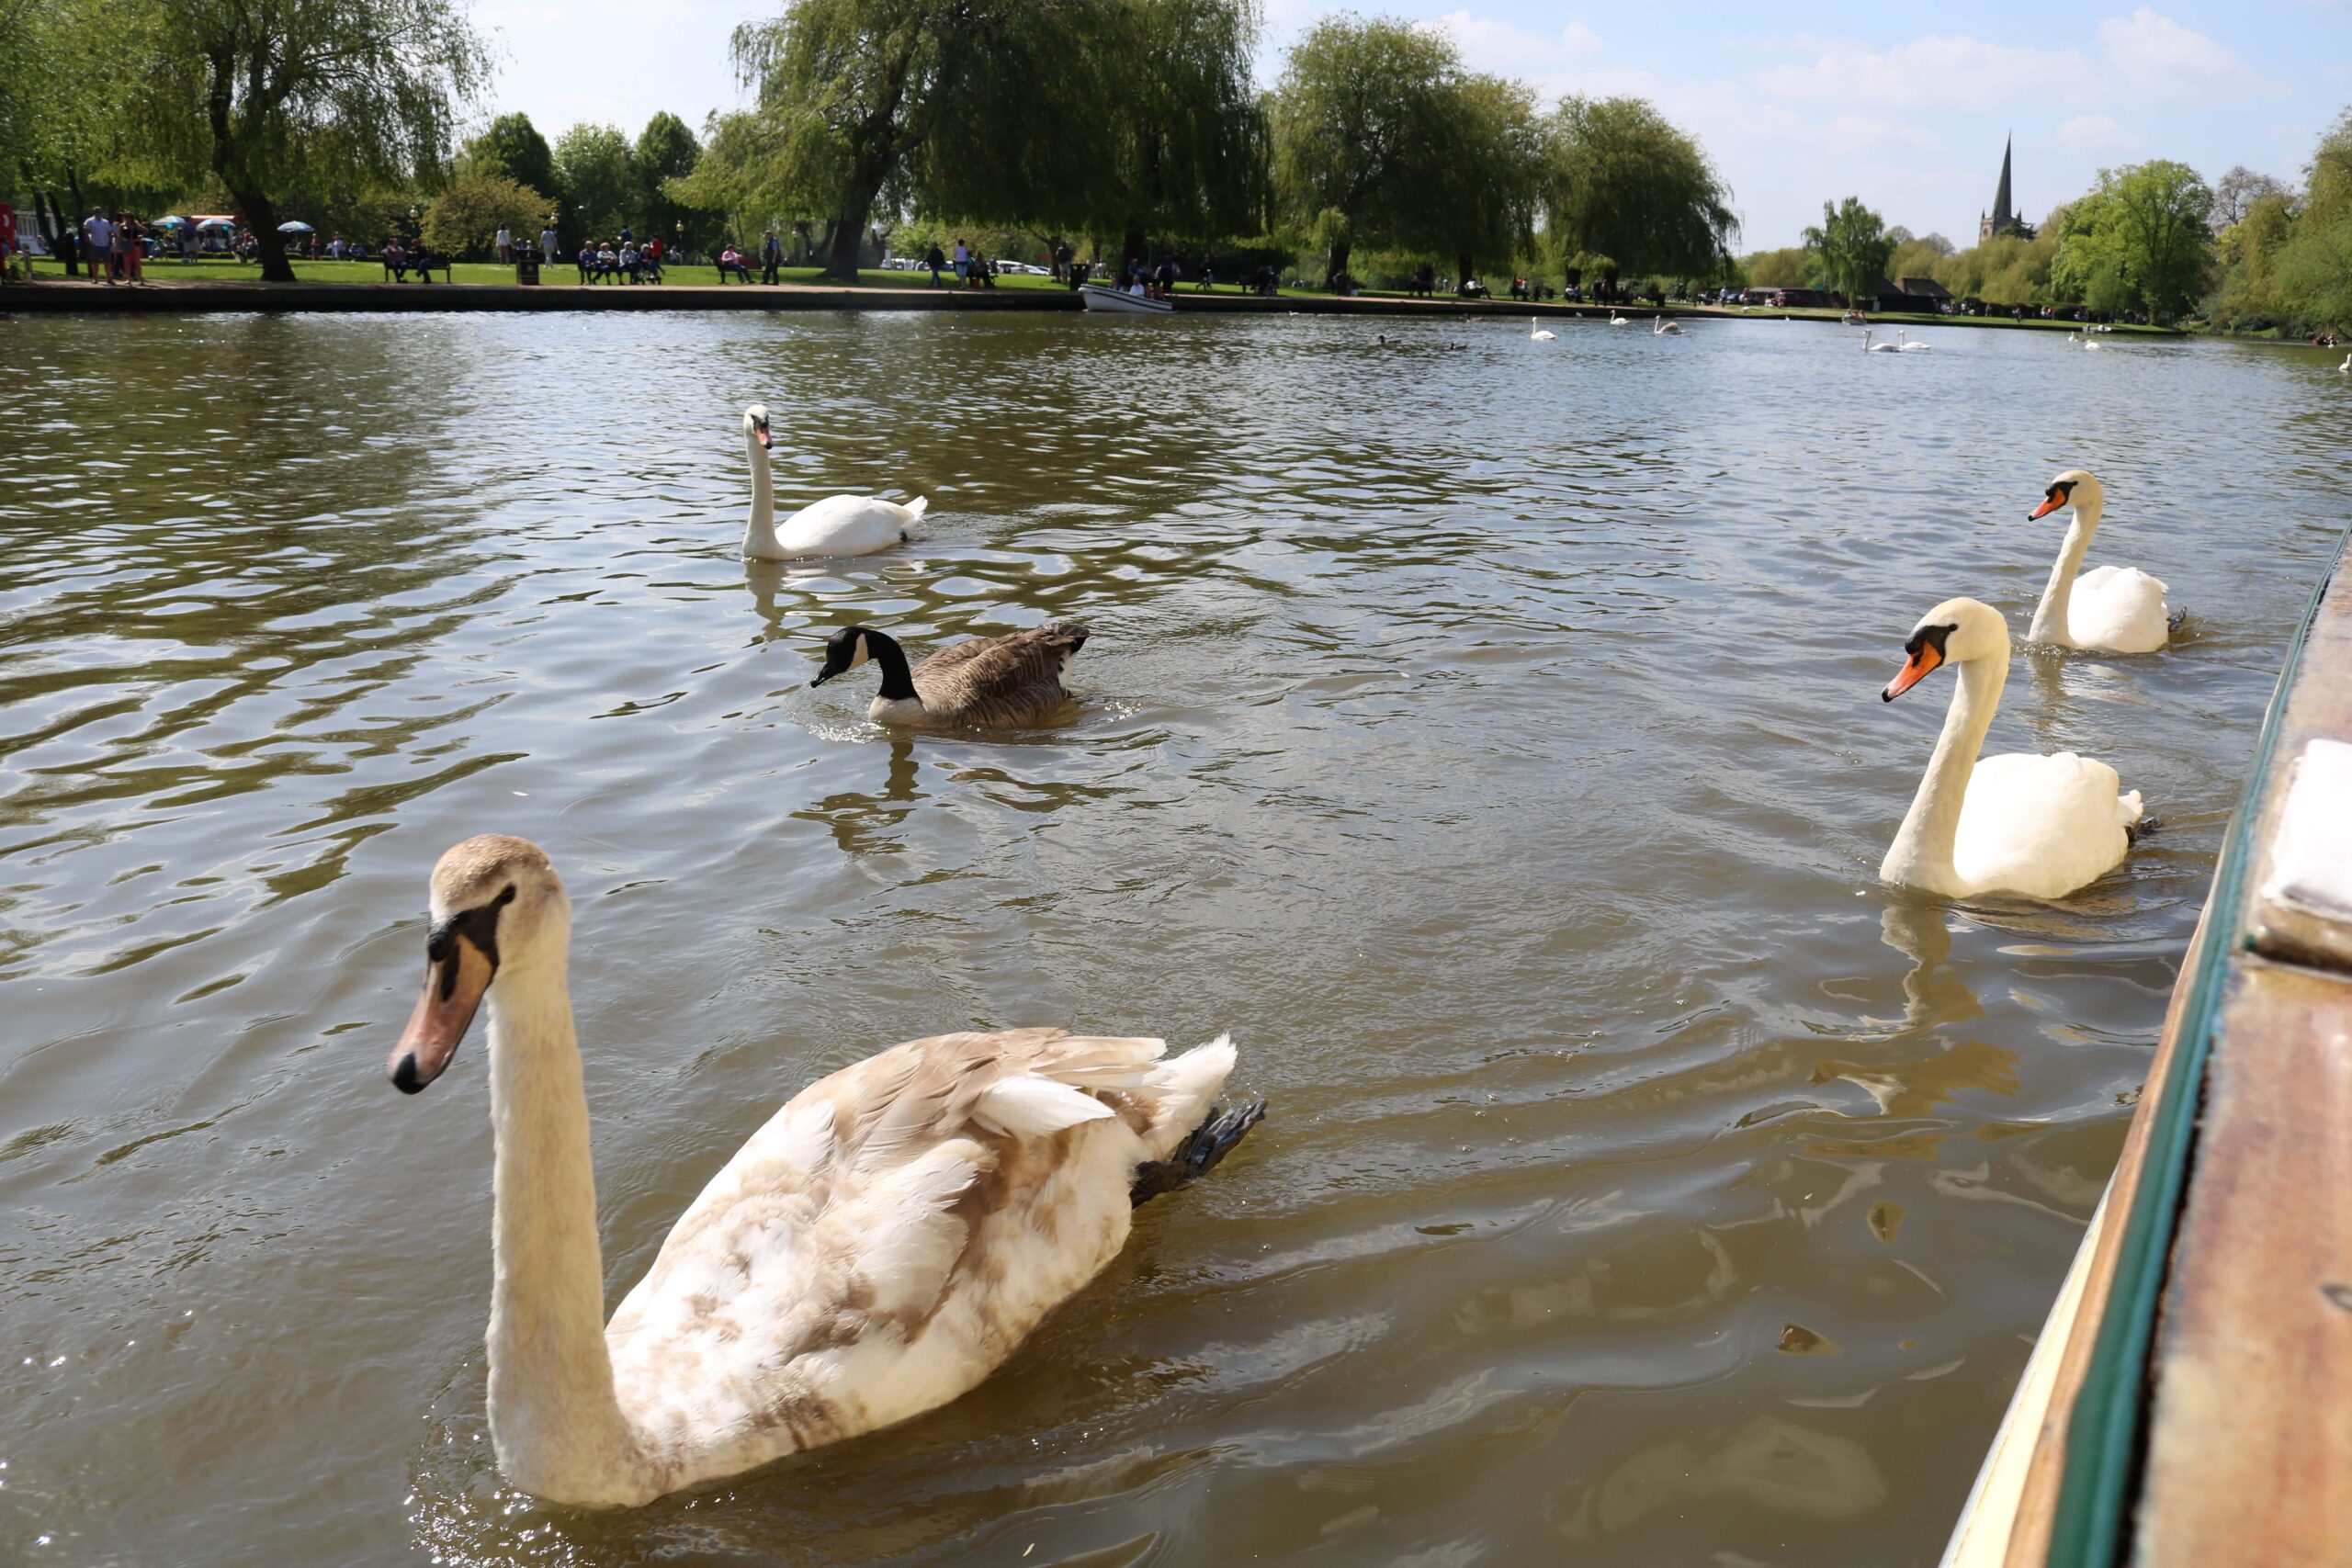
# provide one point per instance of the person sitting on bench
(730, 260)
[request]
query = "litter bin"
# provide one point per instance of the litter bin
(526, 267)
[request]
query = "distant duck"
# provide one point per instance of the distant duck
(1539, 335)
(1870, 347)
(997, 683)
(1661, 327)
(1907, 346)
(2108, 609)
(2018, 823)
(837, 526)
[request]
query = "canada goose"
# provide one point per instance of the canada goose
(1001, 683)
(877, 1249)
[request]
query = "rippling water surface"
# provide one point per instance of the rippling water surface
(1490, 739)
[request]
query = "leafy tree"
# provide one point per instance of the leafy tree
(2140, 240)
(1356, 121)
(465, 218)
(1786, 268)
(1851, 248)
(514, 147)
(1623, 182)
(666, 150)
(1493, 140)
(594, 169)
(269, 98)
(2316, 270)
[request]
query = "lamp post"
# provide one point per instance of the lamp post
(679, 243)
(415, 225)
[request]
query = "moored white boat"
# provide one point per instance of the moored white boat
(1099, 297)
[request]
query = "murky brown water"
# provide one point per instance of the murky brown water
(1490, 739)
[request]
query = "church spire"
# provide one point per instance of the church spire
(2002, 216)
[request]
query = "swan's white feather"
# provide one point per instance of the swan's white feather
(1032, 1107)
(2119, 609)
(2042, 826)
(847, 525)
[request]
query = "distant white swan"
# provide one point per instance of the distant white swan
(2016, 823)
(2346, 366)
(1907, 346)
(1539, 335)
(1870, 347)
(837, 526)
(1661, 326)
(1617, 320)
(2109, 609)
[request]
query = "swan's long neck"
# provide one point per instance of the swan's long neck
(897, 680)
(2049, 615)
(1921, 855)
(554, 1417)
(759, 529)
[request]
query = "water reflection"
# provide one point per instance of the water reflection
(1409, 750)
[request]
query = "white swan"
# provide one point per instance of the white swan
(2344, 368)
(837, 526)
(1870, 347)
(1534, 334)
(875, 1250)
(2108, 609)
(1905, 346)
(1617, 320)
(1661, 327)
(2040, 826)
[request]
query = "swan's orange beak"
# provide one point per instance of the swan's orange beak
(1913, 671)
(456, 972)
(2051, 504)
(761, 431)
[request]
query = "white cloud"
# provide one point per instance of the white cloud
(1942, 71)
(2095, 134)
(1505, 50)
(2156, 55)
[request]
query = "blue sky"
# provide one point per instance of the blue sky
(1903, 105)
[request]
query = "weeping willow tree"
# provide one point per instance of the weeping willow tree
(1115, 116)
(1357, 121)
(1623, 185)
(1492, 147)
(267, 100)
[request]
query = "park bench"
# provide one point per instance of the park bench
(425, 267)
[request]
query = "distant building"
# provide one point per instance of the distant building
(2003, 219)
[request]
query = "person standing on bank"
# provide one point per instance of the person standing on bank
(97, 245)
(935, 261)
(547, 243)
(963, 264)
(771, 257)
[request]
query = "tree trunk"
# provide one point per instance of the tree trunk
(847, 239)
(72, 224)
(64, 240)
(1462, 278)
(1335, 263)
(260, 214)
(1135, 247)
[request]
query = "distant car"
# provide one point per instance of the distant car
(1019, 266)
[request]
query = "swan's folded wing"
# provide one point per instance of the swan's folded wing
(2120, 608)
(2041, 826)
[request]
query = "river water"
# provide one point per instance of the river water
(1489, 738)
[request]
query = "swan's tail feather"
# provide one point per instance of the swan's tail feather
(2127, 811)
(1197, 1154)
(917, 507)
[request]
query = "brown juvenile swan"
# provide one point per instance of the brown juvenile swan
(876, 1249)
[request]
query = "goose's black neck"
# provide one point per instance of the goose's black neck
(897, 681)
